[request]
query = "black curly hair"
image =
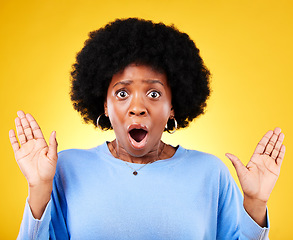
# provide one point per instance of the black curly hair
(124, 41)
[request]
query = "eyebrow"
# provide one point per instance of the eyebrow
(128, 82)
(124, 82)
(153, 81)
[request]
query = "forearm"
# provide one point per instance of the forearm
(39, 196)
(256, 209)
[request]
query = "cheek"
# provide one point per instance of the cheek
(116, 112)
(162, 113)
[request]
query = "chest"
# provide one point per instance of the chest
(146, 206)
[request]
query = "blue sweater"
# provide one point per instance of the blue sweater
(95, 196)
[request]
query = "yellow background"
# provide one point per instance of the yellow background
(247, 45)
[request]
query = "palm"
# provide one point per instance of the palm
(35, 158)
(259, 176)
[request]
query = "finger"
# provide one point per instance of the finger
(272, 142)
(20, 132)
(13, 140)
(281, 155)
(52, 152)
(238, 165)
(278, 145)
(25, 125)
(263, 143)
(37, 132)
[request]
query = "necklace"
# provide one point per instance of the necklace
(135, 171)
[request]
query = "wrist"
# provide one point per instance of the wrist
(254, 201)
(256, 209)
(38, 184)
(38, 198)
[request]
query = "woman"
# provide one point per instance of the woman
(140, 79)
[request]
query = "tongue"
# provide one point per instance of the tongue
(138, 134)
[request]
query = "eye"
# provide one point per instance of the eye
(154, 94)
(121, 94)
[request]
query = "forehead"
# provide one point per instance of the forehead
(139, 74)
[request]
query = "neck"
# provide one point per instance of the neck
(119, 152)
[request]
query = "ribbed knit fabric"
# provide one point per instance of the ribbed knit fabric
(95, 196)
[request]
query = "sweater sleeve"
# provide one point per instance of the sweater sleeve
(32, 228)
(233, 221)
(52, 224)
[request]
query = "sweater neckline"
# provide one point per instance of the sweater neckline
(159, 163)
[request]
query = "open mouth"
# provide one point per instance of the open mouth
(138, 134)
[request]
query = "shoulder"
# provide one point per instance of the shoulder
(204, 170)
(75, 153)
(204, 160)
(211, 167)
(77, 158)
(202, 165)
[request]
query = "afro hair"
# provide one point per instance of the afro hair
(125, 41)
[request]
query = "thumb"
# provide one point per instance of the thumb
(52, 152)
(238, 165)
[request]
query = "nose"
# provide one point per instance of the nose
(137, 107)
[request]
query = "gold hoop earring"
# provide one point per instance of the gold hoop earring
(98, 125)
(175, 123)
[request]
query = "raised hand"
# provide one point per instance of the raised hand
(34, 157)
(258, 177)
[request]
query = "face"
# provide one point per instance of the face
(139, 105)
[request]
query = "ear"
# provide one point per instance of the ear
(106, 109)
(172, 113)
